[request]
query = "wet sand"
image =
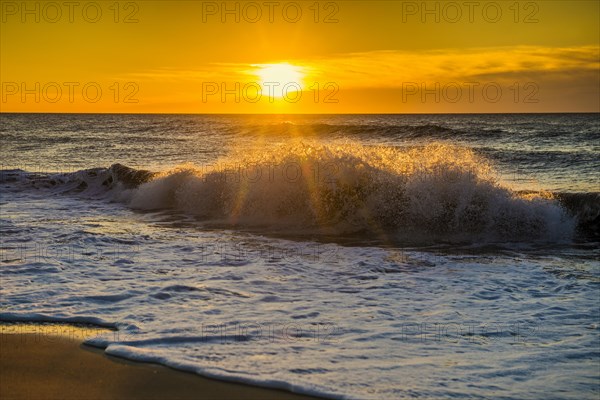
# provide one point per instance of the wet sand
(51, 362)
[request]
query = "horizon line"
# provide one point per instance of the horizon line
(384, 113)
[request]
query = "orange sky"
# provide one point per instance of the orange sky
(350, 56)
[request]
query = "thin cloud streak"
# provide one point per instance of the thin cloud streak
(388, 69)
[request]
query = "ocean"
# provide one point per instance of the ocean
(344, 256)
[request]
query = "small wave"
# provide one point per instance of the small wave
(91, 181)
(324, 130)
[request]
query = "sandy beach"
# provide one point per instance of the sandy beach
(51, 362)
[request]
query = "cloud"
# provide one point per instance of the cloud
(392, 68)
(389, 69)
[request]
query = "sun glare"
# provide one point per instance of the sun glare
(277, 80)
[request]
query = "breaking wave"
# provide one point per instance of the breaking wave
(434, 193)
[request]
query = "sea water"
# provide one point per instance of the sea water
(347, 256)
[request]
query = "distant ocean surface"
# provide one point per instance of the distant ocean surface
(346, 256)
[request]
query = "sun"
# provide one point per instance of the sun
(279, 80)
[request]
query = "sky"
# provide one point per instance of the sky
(300, 56)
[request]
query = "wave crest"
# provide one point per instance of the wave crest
(437, 192)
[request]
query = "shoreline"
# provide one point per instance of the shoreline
(50, 361)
